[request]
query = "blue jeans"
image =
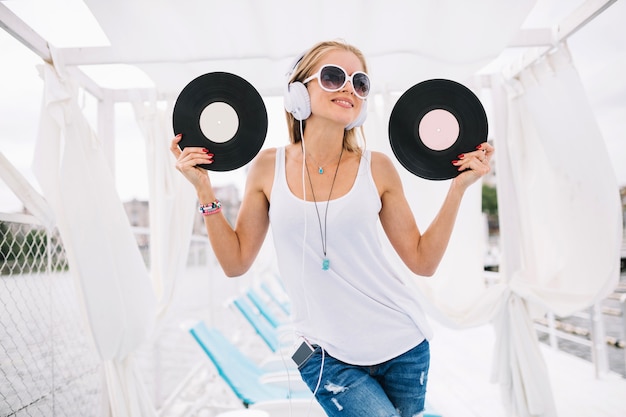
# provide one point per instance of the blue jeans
(396, 388)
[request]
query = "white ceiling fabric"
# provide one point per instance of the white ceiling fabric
(404, 41)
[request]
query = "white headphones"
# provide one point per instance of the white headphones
(298, 102)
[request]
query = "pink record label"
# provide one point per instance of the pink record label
(438, 129)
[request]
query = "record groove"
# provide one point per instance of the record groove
(228, 99)
(432, 123)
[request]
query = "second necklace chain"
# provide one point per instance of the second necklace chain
(323, 231)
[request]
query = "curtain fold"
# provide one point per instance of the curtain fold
(172, 203)
(518, 364)
(562, 224)
(566, 195)
(560, 229)
(113, 284)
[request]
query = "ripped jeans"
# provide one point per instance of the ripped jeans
(396, 388)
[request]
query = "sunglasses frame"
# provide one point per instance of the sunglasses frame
(345, 81)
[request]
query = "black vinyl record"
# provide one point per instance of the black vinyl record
(432, 123)
(223, 113)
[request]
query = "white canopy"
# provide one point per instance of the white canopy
(405, 41)
(158, 47)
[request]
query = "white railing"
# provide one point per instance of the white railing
(588, 334)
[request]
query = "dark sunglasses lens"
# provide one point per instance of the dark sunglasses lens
(332, 77)
(361, 84)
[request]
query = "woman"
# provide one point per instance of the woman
(324, 196)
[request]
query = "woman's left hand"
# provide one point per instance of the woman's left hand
(474, 165)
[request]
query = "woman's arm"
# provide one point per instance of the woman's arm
(235, 248)
(422, 253)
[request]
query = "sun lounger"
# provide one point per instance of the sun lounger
(284, 304)
(245, 378)
(265, 309)
(261, 326)
(248, 380)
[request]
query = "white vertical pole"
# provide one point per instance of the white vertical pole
(106, 127)
(622, 304)
(598, 344)
(554, 343)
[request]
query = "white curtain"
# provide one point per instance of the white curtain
(560, 220)
(561, 190)
(112, 280)
(560, 229)
(172, 203)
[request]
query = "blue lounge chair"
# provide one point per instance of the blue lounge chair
(262, 327)
(243, 376)
(264, 309)
(284, 305)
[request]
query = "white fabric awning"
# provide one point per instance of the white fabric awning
(405, 41)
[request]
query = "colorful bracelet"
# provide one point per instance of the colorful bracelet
(211, 208)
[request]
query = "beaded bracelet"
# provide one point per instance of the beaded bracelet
(211, 208)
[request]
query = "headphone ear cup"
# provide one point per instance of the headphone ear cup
(360, 118)
(297, 100)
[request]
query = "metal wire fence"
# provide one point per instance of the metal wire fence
(47, 364)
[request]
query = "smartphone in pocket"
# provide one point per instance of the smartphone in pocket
(304, 352)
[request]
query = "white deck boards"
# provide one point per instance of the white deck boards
(460, 373)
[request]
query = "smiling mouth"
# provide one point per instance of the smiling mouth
(343, 102)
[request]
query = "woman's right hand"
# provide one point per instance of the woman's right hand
(188, 159)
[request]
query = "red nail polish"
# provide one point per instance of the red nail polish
(205, 150)
(455, 162)
(461, 156)
(479, 146)
(211, 155)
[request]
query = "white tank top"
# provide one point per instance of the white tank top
(359, 310)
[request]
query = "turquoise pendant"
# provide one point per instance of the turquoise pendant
(325, 264)
(320, 170)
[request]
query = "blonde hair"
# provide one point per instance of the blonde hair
(304, 69)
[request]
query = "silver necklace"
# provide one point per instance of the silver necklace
(323, 233)
(320, 168)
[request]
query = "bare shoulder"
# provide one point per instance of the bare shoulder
(261, 173)
(381, 161)
(264, 158)
(384, 172)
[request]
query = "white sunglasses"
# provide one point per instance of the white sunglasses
(333, 78)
